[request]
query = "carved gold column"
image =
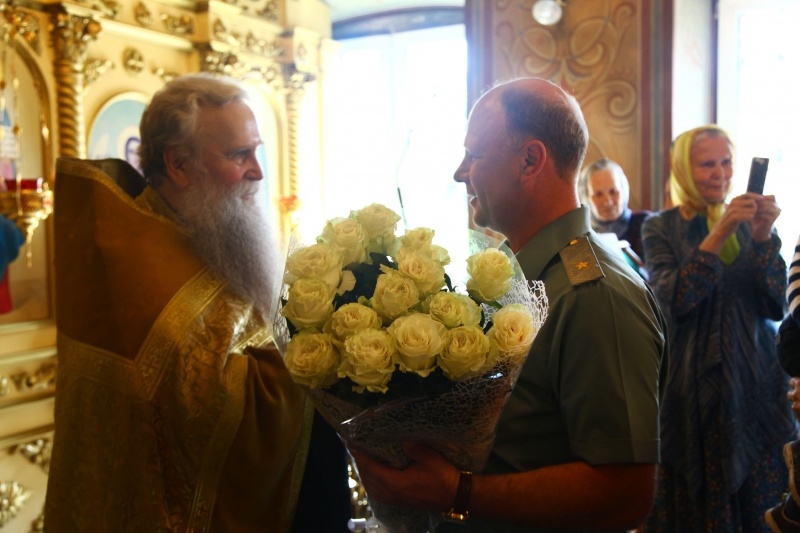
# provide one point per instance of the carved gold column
(71, 35)
(294, 84)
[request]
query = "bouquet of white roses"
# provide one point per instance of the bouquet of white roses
(390, 350)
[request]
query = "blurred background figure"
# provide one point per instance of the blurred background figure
(785, 516)
(604, 187)
(717, 271)
(11, 239)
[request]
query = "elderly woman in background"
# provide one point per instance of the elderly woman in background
(718, 274)
(604, 187)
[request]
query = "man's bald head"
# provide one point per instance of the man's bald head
(537, 108)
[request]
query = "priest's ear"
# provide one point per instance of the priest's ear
(535, 156)
(177, 163)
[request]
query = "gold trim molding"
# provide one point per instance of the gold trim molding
(109, 8)
(222, 63)
(247, 42)
(71, 35)
(165, 75)
(19, 22)
(143, 15)
(41, 379)
(133, 61)
(183, 25)
(93, 69)
(38, 452)
(270, 11)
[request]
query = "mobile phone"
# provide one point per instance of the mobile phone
(758, 174)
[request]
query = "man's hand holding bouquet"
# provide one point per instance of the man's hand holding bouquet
(391, 349)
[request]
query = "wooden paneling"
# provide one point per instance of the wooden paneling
(609, 53)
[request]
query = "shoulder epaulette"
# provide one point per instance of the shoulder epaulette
(580, 262)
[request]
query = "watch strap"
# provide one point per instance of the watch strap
(459, 512)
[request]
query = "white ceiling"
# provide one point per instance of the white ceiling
(345, 9)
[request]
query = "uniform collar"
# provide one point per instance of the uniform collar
(539, 251)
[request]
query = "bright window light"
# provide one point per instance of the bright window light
(759, 72)
(395, 120)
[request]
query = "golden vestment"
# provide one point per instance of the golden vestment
(173, 411)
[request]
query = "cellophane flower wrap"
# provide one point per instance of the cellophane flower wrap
(395, 340)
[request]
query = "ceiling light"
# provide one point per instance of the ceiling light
(547, 12)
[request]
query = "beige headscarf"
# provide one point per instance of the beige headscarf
(684, 190)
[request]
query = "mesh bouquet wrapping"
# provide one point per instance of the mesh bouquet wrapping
(393, 346)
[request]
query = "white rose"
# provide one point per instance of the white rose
(310, 303)
(379, 222)
(513, 331)
(453, 309)
(418, 239)
(439, 254)
(319, 261)
(491, 272)
(394, 294)
(428, 275)
(312, 359)
(351, 318)
(419, 339)
(468, 353)
(368, 359)
(348, 237)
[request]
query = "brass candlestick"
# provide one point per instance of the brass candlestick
(27, 207)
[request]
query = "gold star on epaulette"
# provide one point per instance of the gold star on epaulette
(580, 262)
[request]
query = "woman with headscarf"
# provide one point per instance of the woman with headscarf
(719, 277)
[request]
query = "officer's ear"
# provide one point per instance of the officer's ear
(176, 161)
(535, 155)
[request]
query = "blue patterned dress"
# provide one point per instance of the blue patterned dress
(725, 415)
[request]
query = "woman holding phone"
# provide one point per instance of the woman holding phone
(717, 272)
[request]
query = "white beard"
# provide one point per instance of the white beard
(236, 240)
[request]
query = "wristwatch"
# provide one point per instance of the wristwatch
(459, 512)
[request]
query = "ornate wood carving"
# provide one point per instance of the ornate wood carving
(143, 15)
(38, 452)
(248, 42)
(109, 8)
(37, 526)
(19, 22)
(224, 63)
(94, 68)
(270, 11)
(42, 378)
(133, 61)
(594, 52)
(165, 75)
(12, 498)
(183, 25)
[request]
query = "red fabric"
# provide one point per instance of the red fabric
(5, 295)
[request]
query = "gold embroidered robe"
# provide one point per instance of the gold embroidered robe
(173, 411)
